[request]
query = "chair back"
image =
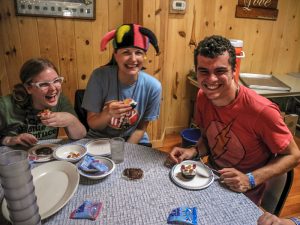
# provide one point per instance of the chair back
(277, 192)
(81, 112)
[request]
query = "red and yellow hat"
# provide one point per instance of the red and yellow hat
(130, 35)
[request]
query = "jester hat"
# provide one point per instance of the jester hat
(130, 35)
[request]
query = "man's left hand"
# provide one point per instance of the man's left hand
(234, 179)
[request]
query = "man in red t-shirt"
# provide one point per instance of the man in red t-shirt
(243, 133)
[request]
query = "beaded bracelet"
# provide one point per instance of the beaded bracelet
(295, 220)
(251, 180)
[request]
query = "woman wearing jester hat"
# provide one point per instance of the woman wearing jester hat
(120, 97)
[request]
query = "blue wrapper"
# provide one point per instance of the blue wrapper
(86, 163)
(87, 210)
(90, 164)
(99, 166)
(183, 215)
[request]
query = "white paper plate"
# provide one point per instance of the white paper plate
(98, 147)
(38, 157)
(96, 176)
(204, 176)
(55, 184)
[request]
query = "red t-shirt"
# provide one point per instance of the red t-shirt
(245, 134)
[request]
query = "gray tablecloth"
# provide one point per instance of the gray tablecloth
(151, 199)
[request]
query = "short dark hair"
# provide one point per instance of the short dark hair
(213, 46)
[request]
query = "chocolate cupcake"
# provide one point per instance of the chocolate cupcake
(188, 171)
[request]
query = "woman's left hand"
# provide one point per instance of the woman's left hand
(58, 119)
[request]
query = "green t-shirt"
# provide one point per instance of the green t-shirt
(15, 120)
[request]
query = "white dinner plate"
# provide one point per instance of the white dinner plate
(97, 175)
(55, 183)
(204, 176)
(98, 147)
(37, 155)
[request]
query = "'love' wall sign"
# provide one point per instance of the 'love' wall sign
(257, 9)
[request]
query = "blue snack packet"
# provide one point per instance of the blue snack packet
(90, 164)
(183, 215)
(87, 160)
(99, 166)
(87, 210)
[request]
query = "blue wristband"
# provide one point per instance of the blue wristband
(251, 180)
(295, 220)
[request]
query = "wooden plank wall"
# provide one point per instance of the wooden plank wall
(73, 45)
(271, 47)
(153, 14)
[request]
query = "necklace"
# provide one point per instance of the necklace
(134, 89)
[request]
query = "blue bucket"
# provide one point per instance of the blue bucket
(190, 136)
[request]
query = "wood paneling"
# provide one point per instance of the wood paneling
(84, 51)
(271, 47)
(73, 45)
(67, 55)
(133, 11)
(4, 83)
(11, 46)
(48, 39)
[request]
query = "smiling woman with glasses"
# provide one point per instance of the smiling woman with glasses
(22, 117)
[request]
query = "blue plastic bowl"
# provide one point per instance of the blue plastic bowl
(190, 136)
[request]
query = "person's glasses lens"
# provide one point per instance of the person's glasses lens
(45, 85)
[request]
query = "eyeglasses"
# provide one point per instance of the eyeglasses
(46, 84)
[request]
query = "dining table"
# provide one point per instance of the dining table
(148, 201)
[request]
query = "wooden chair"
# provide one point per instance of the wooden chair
(276, 192)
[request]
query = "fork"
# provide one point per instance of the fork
(216, 172)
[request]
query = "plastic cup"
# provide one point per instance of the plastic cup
(20, 192)
(238, 45)
(14, 172)
(13, 162)
(22, 203)
(23, 214)
(17, 181)
(34, 220)
(117, 149)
